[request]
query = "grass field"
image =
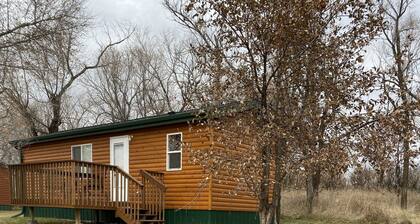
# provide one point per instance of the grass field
(356, 206)
(286, 220)
(4, 219)
(332, 207)
(5, 214)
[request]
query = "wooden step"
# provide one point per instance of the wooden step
(122, 215)
(140, 210)
(145, 217)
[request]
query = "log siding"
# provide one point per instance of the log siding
(147, 151)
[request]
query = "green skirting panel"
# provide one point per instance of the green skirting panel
(210, 217)
(6, 208)
(172, 216)
(68, 213)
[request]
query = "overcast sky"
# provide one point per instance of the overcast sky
(145, 14)
(152, 16)
(148, 14)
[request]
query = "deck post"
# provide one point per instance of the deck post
(32, 214)
(77, 218)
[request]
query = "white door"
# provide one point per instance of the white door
(119, 154)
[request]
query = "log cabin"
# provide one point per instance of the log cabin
(130, 172)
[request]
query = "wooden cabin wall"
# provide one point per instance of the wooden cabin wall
(147, 151)
(4, 186)
(227, 194)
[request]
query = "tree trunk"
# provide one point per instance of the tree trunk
(381, 178)
(317, 183)
(310, 194)
(269, 213)
(397, 183)
(56, 120)
(265, 211)
(406, 170)
(312, 188)
(278, 209)
(403, 92)
(281, 144)
(266, 215)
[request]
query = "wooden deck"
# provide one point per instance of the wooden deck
(75, 184)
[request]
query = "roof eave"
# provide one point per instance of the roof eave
(182, 117)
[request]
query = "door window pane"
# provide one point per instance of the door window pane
(119, 154)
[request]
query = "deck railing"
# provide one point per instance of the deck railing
(76, 184)
(73, 184)
(154, 193)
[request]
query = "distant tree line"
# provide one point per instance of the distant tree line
(362, 177)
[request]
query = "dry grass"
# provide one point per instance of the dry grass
(5, 218)
(7, 214)
(333, 207)
(365, 206)
(22, 220)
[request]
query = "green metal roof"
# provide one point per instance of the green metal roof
(152, 121)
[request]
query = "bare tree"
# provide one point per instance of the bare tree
(157, 94)
(182, 64)
(148, 76)
(76, 110)
(24, 21)
(172, 69)
(48, 68)
(399, 80)
(11, 127)
(115, 87)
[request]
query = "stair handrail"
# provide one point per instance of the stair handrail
(152, 178)
(128, 175)
(154, 194)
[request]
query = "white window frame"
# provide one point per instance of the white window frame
(81, 148)
(168, 152)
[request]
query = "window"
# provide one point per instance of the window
(174, 151)
(82, 152)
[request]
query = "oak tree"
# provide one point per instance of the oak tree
(272, 68)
